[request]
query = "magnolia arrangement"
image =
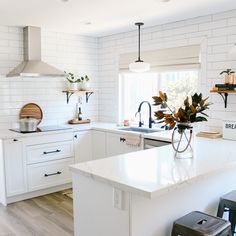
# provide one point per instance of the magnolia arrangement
(192, 111)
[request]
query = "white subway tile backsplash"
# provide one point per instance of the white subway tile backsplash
(217, 40)
(65, 51)
(213, 25)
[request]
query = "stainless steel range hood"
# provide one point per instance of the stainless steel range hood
(32, 64)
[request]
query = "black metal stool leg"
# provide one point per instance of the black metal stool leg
(232, 219)
(220, 211)
(174, 231)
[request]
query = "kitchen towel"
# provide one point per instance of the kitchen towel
(133, 140)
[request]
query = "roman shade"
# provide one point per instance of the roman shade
(179, 58)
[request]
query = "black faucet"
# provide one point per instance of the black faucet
(150, 114)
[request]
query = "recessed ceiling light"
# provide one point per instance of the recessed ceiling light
(63, 1)
(164, 0)
(86, 22)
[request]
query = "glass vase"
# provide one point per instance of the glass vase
(182, 140)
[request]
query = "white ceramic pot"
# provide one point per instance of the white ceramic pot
(83, 86)
(73, 86)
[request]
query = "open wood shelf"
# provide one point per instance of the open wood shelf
(224, 94)
(69, 93)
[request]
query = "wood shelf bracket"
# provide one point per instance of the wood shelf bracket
(88, 94)
(70, 93)
(224, 96)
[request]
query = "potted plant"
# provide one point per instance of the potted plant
(229, 76)
(182, 120)
(83, 82)
(72, 81)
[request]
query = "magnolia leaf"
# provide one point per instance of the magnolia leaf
(186, 102)
(157, 100)
(204, 113)
(159, 115)
(202, 102)
(193, 109)
(172, 125)
(196, 98)
(200, 119)
(162, 96)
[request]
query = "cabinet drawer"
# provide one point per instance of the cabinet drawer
(47, 137)
(49, 174)
(49, 152)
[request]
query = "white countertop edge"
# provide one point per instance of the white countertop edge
(155, 193)
(114, 184)
(99, 126)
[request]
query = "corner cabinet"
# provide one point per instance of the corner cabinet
(14, 163)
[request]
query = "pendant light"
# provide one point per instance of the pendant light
(139, 65)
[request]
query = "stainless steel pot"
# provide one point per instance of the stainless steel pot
(28, 125)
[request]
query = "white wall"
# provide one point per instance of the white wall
(67, 52)
(216, 33)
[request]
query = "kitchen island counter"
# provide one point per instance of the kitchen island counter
(155, 171)
(144, 192)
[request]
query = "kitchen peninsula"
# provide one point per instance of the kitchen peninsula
(142, 193)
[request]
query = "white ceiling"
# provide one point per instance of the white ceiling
(107, 16)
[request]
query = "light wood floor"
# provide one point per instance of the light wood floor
(42, 216)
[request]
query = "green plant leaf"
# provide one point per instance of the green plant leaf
(200, 119)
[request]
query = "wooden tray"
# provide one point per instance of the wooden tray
(76, 122)
(31, 110)
(206, 134)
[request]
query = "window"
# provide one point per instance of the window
(135, 88)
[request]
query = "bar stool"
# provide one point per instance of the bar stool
(200, 224)
(228, 204)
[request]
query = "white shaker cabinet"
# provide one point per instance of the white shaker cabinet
(98, 144)
(83, 146)
(116, 145)
(14, 167)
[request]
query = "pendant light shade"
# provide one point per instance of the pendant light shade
(139, 66)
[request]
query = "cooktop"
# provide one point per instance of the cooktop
(44, 129)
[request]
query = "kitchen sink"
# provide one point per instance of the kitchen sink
(140, 130)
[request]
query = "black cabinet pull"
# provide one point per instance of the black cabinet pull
(122, 139)
(57, 173)
(15, 140)
(76, 136)
(45, 153)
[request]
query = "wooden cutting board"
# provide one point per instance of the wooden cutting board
(31, 110)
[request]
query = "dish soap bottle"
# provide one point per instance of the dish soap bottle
(79, 114)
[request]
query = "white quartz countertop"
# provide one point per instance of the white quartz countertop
(154, 172)
(106, 127)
